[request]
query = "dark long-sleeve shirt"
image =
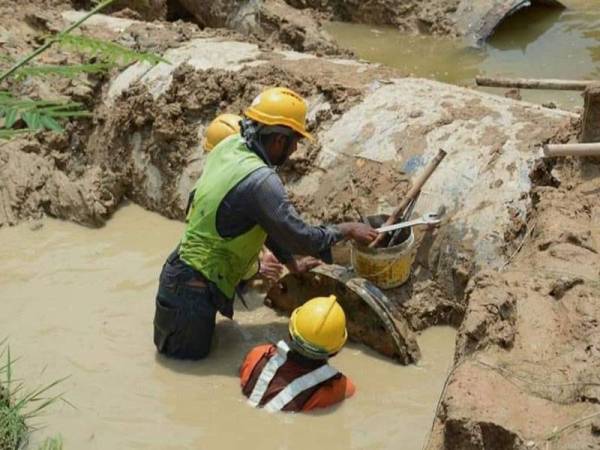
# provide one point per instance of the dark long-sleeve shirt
(261, 199)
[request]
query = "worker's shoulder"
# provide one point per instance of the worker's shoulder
(340, 383)
(263, 179)
(332, 391)
(252, 359)
(263, 348)
(259, 350)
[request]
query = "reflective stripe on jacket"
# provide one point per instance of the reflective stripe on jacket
(279, 380)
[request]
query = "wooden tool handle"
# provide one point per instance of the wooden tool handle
(534, 83)
(412, 193)
(591, 149)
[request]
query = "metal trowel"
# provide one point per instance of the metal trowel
(425, 219)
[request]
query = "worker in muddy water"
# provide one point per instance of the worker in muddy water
(239, 204)
(294, 375)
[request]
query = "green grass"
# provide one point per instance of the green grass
(18, 406)
(54, 443)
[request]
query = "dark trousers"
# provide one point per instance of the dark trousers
(184, 321)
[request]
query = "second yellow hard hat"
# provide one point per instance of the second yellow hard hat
(221, 127)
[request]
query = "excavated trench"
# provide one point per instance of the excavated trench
(77, 302)
(87, 294)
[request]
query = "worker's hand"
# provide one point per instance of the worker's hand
(270, 267)
(357, 231)
(301, 265)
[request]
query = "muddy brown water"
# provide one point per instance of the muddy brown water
(534, 43)
(78, 302)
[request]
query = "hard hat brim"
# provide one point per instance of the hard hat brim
(307, 135)
(259, 117)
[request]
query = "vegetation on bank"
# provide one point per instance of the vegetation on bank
(19, 406)
(25, 115)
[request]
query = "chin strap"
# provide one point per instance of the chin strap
(253, 132)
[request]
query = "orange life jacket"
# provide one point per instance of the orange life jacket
(292, 367)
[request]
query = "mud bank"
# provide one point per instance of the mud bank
(531, 331)
(410, 16)
(473, 20)
(273, 21)
(298, 23)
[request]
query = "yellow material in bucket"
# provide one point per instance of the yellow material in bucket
(385, 267)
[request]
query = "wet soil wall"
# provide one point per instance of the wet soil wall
(139, 142)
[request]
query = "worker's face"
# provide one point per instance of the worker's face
(281, 148)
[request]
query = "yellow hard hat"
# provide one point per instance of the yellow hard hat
(319, 326)
(221, 127)
(280, 106)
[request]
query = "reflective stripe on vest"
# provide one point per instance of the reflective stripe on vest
(292, 390)
(267, 374)
(300, 385)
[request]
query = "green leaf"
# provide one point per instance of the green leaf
(8, 369)
(70, 114)
(37, 114)
(61, 107)
(51, 124)
(9, 134)
(32, 119)
(11, 118)
(107, 50)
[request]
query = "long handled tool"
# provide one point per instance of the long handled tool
(411, 195)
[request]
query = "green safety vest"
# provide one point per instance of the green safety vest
(224, 261)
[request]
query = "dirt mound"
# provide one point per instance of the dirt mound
(532, 330)
(130, 9)
(163, 133)
(410, 16)
(138, 145)
(272, 21)
(43, 174)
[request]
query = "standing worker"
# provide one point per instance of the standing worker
(294, 375)
(239, 204)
